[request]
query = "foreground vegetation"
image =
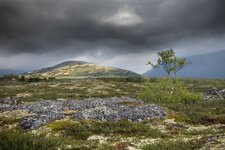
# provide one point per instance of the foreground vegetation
(191, 124)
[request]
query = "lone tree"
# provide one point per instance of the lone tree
(169, 62)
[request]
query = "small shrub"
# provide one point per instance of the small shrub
(168, 92)
(174, 145)
(83, 129)
(14, 140)
(201, 112)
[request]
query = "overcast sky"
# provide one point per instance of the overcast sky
(118, 33)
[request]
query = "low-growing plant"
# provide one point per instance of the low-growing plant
(174, 145)
(201, 112)
(81, 130)
(165, 91)
(14, 140)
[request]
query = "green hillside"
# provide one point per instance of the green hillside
(79, 69)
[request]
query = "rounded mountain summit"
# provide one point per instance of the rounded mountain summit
(80, 69)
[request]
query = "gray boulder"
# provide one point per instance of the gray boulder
(13, 100)
(214, 93)
(33, 122)
(119, 112)
(109, 109)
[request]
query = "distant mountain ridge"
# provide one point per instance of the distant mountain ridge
(80, 69)
(10, 71)
(211, 65)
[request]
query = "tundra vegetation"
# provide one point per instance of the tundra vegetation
(192, 122)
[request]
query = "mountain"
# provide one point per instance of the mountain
(10, 71)
(80, 69)
(211, 65)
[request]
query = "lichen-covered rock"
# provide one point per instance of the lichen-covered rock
(46, 107)
(46, 111)
(33, 122)
(13, 100)
(118, 112)
(95, 102)
(214, 93)
(5, 106)
(110, 109)
(99, 113)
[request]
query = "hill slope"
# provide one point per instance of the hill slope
(79, 69)
(210, 65)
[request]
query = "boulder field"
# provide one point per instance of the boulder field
(105, 109)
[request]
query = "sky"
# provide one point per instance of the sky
(118, 33)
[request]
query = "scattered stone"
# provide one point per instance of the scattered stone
(99, 113)
(46, 111)
(109, 109)
(118, 112)
(46, 107)
(5, 107)
(95, 102)
(33, 122)
(10, 103)
(216, 142)
(13, 100)
(214, 93)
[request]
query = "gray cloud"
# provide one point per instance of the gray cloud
(118, 27)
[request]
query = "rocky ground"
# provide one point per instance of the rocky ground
(107, 109)
(97, 123)
(215, 93)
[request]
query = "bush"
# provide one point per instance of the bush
(174, 145)
(165, 91)
(14, 140)
(83, 129)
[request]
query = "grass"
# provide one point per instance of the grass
(202, 112)
(75, 133)
(69, 89)
(14, 140)
(81, 130)
(17, 140)
(174, 145)
(84, 71)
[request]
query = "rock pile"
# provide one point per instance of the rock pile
(214, 93)
(13, 100)
(109, 109)
(45, 111)
(9, 103)
(120, 112)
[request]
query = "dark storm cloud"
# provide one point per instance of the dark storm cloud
(121, 26)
